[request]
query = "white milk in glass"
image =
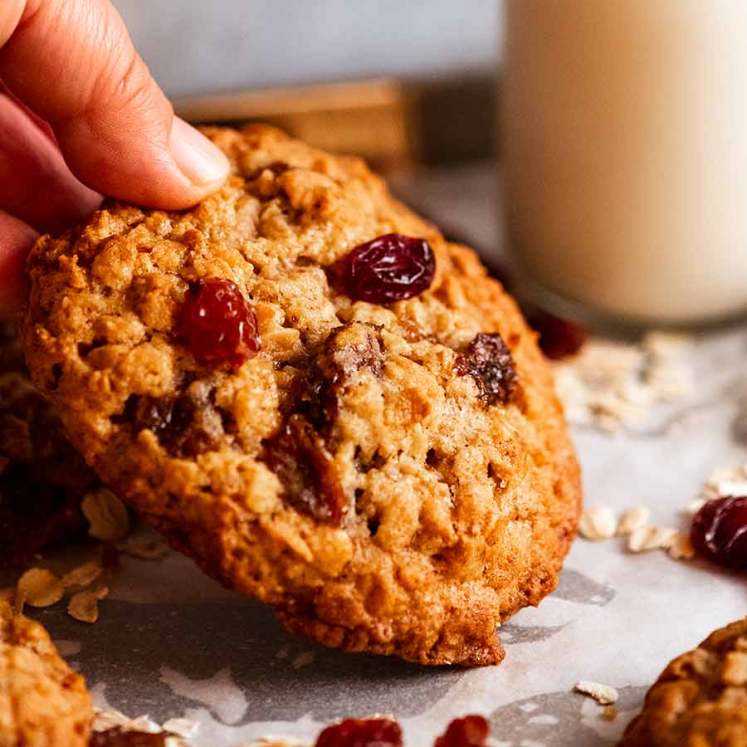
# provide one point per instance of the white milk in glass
(625, 151)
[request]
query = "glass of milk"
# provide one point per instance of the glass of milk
(624, 126)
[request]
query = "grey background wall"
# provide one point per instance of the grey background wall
(199, 46)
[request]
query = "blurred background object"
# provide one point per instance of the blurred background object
(396, 82)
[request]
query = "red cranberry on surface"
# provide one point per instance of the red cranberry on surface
(558, 338)
(389, 268)
(218, 324)
(719, 531)
(374, 732)
(470, 731)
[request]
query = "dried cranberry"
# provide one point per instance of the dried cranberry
(558, 338)
(490, 363)
(218, 324)
(719, 531)
(118, 737)
(389, 268)
(299, 457)
(373, 732)
(470, 731)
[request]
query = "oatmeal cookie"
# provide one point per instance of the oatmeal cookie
(700, 699)
(43, 703)
(42, 478)
(392, 474)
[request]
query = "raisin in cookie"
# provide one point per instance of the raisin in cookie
(43, 703)
(311, 392)
(700, 699)
(42, 478)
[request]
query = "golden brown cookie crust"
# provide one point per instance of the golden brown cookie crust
(458, 513)
(700, 699)
(43, 703)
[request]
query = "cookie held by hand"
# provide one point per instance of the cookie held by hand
(312, 393)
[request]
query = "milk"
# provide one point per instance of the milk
(625, 149)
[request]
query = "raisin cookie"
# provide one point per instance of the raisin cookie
(700, 699)
(43, 703)
(311, 392)
(42, 478)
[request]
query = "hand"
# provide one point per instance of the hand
(80, 116)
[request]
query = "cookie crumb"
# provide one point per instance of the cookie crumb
(609, 713)
(107, 516)
(604, 694)
(682, 548)
(303, 660)
(39, 587)
(632, 519)
(597, 523)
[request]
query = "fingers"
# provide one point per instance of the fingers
(72, 62)
(35, 183)
(16, 239)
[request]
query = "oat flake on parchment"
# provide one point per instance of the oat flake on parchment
(604, 694)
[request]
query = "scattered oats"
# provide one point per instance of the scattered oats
(39, 588)
(110, 719)
(145, 548)
(181, 727)
(84, 606)
(682, 548)
(610, 385)
(303, 660)
(83, 575)
(651, 538)
(603, 694)
(729, 481)
(597, 523)
(107, 516)
(609, 713)
(632, 519)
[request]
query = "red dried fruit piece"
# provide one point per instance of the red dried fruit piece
(299, 457)
(218, 324)
(558, 338)
(389, 268)
(118, 737)
(470, 731)
(374, 732)
(490, 363)
(719, 531)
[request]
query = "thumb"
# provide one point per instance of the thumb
(72, 62)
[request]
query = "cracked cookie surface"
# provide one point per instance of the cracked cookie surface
(700, 699)
(43, 703)
(392, 478)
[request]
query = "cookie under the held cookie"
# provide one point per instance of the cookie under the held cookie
(700, 699)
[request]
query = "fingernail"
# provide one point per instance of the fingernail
(197, 158)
